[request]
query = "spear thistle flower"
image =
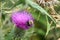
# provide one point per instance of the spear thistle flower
(22, 19)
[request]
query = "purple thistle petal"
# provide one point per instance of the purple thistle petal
(21, 18)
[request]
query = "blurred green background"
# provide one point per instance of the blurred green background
(43, 28)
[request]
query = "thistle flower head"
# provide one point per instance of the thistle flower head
(22, 19)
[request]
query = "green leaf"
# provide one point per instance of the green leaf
(40, 19)
(48, 26)
(36, 6)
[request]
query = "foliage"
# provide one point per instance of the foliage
(43, 29)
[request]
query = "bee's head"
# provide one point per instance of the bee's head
(30, 23)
